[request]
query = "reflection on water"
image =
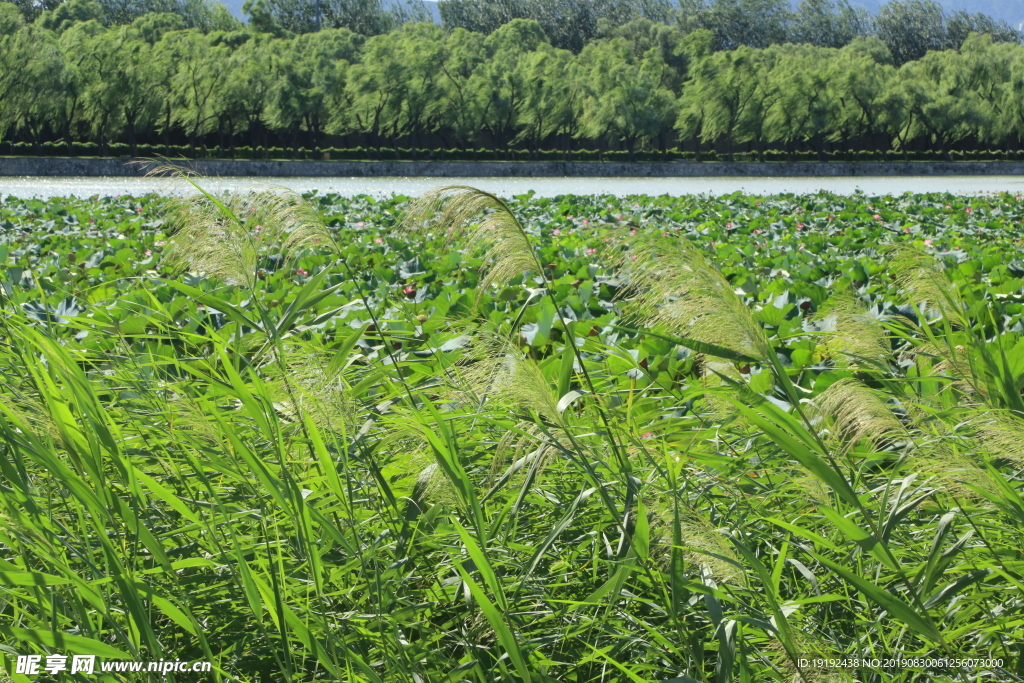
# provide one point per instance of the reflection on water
(544, 187)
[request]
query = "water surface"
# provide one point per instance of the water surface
(46, 187)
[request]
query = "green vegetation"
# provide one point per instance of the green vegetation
(148, 152)
(955, 86)
(571, 439)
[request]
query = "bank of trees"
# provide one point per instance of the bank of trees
(645, 86)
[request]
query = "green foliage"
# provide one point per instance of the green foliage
(366, 17)
(336, 448)
(568, 24)
(643, 90)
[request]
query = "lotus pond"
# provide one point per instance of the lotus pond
(579, 438)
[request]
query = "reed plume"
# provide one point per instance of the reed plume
(922, 279)
(672, 286)
(497, 372)
(854, 339)
(226, 237)
(481, 222)
(858, 413)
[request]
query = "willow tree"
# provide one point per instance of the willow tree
(724, 99)
(552, 97)
(12, 55)
(201, 72)
(365, 17)
(31, 80)
(310, 81)
(828, 23)
(866, 106)
(1012, 109)
(247, 92)
(115, 74)
(459, 120)
(937, 105)
(803, 106)
(986, 72)
(736, 23)
(421, 52)
(500, 84)
(396, 90)
(625, 99)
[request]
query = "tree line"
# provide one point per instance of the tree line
(909, 28)
(645, 85)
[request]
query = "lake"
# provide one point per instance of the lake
(46, 187)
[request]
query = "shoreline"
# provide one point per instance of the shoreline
(124, 167)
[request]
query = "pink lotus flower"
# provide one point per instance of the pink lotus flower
(757, 231)
(948, 206)
(878, 216)
(591, 250)
(148, 252)
(831, 217)
(729, 224)
(906, 228)
(802, 245)
(799, 226)
(160, 243)
(927, 243)
(968, 209)
(568, 218)
(586, 222)
(359, 224)
(301, 272)
(409, 291)
(619, 217)
(556, 232)
(92, 221)
(378, 240)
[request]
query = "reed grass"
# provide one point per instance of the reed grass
(297, 508)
